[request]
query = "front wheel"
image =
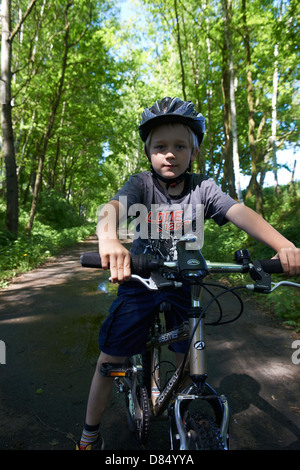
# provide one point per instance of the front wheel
(203, 432)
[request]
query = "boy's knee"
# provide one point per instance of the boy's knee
(104, 358)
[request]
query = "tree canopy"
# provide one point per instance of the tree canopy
(76, 77)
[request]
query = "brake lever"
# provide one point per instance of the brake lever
(149, 283)
(155, 281)
(284, 283)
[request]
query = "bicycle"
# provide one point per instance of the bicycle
(187, 391)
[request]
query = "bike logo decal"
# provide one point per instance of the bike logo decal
(193, 262)
(167, 389)
(199, 345)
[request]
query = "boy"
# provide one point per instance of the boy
(172, 132)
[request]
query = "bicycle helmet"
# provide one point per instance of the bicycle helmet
(171, 110)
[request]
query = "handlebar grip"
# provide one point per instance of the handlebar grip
(90, 260)
(271, 266)
(140, 264)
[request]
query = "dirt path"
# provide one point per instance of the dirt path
(49, 321)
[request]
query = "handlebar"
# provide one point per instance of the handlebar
(191, 267)
(143, 264)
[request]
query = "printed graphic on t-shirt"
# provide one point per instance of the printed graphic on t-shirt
(168, 223)
(157, 222)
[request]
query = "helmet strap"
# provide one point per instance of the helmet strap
(170, 182)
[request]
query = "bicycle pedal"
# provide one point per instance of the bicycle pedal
(115, 370)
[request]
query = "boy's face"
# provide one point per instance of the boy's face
(170, 150)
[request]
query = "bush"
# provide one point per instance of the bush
(56, 226)
(57, 212)
(283, 212)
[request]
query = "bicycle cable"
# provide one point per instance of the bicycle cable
(228, 290)
(195, 328)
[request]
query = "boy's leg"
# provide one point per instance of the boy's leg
(99, 396)
(179, 358)
(100, 390)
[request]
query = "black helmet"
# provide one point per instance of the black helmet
(172, 110)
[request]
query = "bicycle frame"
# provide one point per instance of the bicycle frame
(195, 366)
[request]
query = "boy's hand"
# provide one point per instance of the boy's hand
(117, 258)
(290, 260)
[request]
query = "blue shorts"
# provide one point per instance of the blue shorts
(125, 331)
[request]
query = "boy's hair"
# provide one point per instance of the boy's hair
(193, 139)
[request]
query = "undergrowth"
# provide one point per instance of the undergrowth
(283, 212)
(56, 226)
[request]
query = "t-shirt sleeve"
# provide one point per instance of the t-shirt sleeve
(131, 192)
(216, 202)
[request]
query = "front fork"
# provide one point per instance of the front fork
(198, 373)
(180, 437)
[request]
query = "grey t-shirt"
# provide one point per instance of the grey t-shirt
(160, 219)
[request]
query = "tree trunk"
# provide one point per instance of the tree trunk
(180, 51)
(274, 111)
(48, 132)
(209, 95)
(254, 187)
(228, 183)
(227, 15)
(12, 205)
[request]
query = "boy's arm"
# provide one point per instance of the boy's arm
(113, 254)
(252, 223)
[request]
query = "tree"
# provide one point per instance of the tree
(225, 59)
(227, 14)
(7, 36)
(50, 124)
(6, 122)
(81, 81)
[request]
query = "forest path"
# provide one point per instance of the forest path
(49, 321)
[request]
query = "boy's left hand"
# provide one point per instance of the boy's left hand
(290, 260)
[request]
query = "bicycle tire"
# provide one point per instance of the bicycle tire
(139, 427)
(204, 432)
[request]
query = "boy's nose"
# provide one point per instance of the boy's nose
(170, 154)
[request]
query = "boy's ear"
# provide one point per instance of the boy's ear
(194, 153)
(146, 153)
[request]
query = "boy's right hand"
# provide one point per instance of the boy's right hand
(116, 257)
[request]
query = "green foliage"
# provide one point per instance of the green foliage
(57, 226)
(113, 70)
(57, 212)
(283, 212)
